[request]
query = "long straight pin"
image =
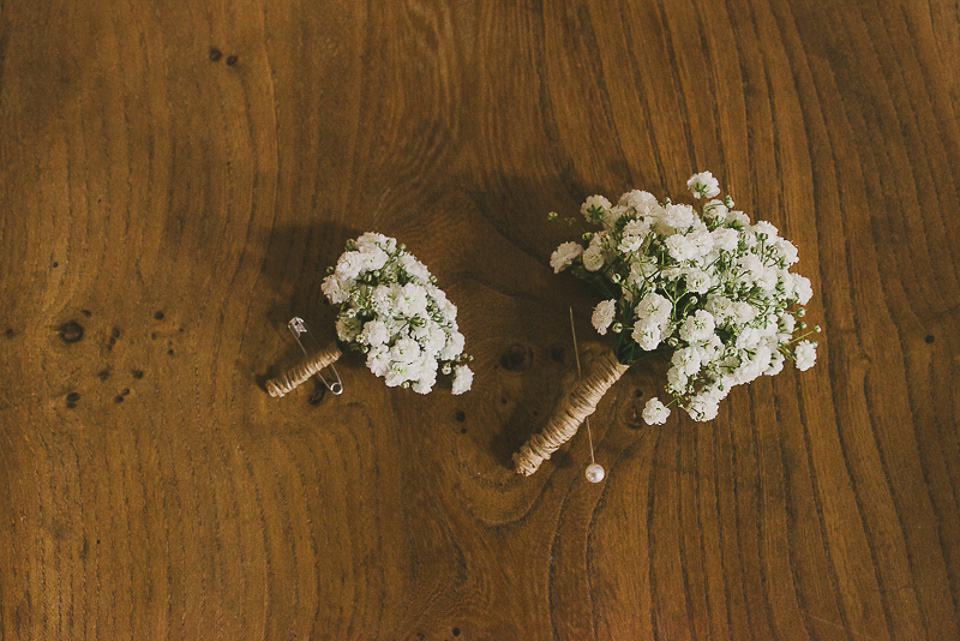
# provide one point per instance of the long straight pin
(594, 471)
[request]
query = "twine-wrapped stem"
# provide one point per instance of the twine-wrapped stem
(302, 371)
(576, 406)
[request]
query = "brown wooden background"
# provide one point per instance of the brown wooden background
(176, 205)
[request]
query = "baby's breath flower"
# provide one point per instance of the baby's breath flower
(697, 327)
(392, 311)
(708, 286)
(462, 379)
(603, 315)
(703, 185)
(592, 257)
(805, 355)
(564, 255)
(595, 208)
(655, 412)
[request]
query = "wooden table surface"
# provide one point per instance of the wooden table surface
(175, 176)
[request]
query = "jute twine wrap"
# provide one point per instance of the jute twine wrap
(302, 371)
(580, 403)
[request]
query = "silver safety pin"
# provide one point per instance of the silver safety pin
(298, 328)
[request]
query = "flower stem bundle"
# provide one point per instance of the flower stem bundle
(301, 372)
(707, 287)
(578, 404)
(392, 311)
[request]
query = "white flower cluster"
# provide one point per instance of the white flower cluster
(392, 310)
(707, 285)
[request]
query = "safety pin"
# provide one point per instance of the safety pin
(298, 328)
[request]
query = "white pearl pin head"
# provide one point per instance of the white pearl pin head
(595, 473)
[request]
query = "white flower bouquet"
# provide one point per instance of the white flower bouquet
(707, 288)
(392, 311)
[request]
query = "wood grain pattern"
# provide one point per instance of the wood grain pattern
(175, 175)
